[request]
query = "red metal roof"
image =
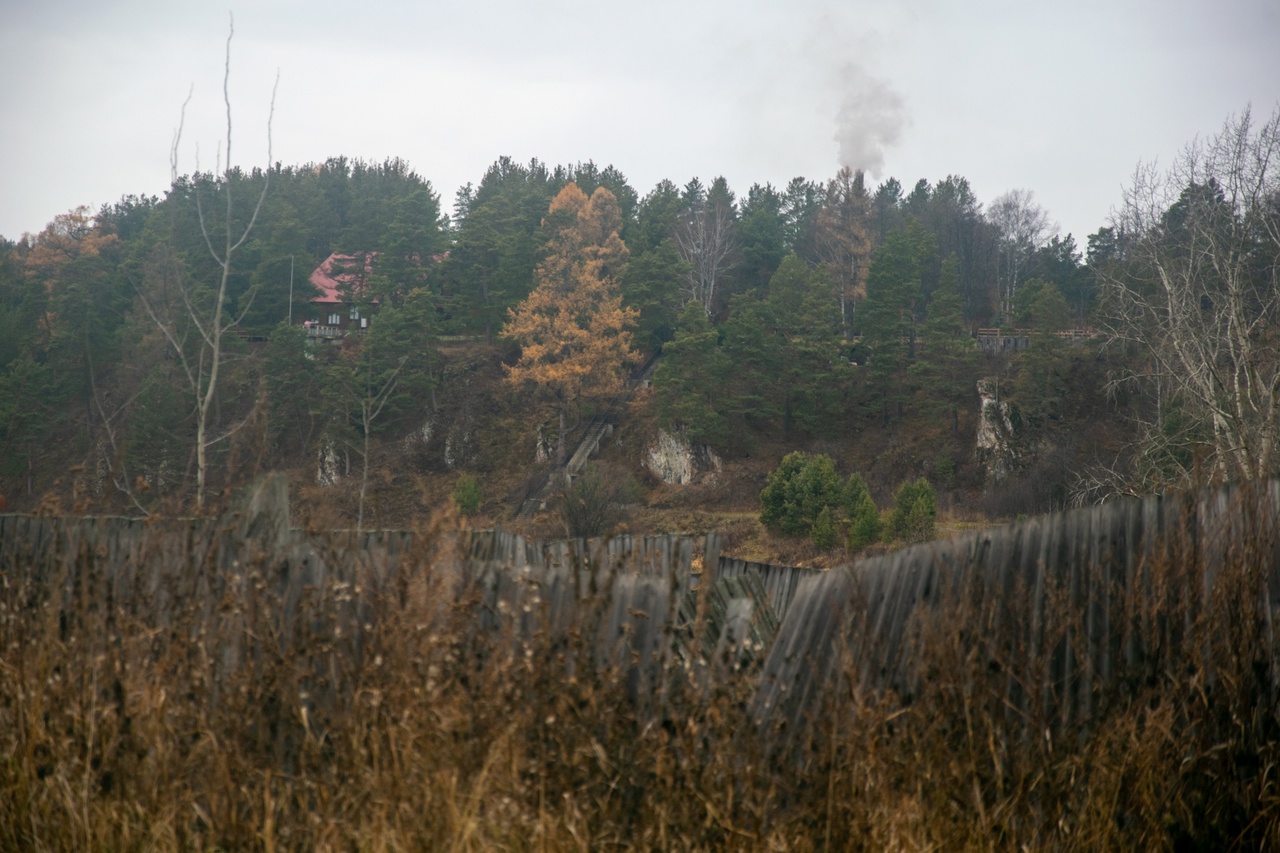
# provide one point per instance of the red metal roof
(341, 273)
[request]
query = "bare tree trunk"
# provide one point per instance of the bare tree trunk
(370, 407)
(203, 369)
(562, 442)
(364, 469)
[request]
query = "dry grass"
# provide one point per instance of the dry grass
(129, 724)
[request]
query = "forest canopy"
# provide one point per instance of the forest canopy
(797, 313)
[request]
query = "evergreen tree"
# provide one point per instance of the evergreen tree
(409, 247)
(763, 231)
(915, 510)
(891, 314)
(495, 252)
(1040, 380)
(954, 218)
(1040, 305)
(797, 493)
(917, 201)
(294, 386)
(466, 495)
(651, 284)
(1059, 263)
(800, 203)
(862, 516)
(21, 305)
(26, 392)
(804, 326)
(785, 350)
(948, 360)
(886, 208)
(691, 378)
(658, 215)
(749, 398)
(156, 443)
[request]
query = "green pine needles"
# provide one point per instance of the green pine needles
(805, 497)
(467, 495)
(915, 511)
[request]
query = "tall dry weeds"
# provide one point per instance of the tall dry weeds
(214, 707)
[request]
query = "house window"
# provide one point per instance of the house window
(355, 313)
(335, 319)
(364, 322)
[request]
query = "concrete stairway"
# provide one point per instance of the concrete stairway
(600, 427)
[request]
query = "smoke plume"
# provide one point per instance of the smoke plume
(871, 119)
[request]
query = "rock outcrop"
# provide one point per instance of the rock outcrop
(674, 460)
(330, 466)
(996, 442)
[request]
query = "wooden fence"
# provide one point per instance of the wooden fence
(1071, 611)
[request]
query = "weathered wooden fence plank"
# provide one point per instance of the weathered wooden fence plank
(1066, 611)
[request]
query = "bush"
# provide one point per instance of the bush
(804, 497)
(915, 511)
(797, 492)
(592, 505)
(825, 529)
(862, 513)
(466, 495)
(944, 469)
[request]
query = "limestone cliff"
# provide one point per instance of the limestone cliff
(996, 441)
(672, 459)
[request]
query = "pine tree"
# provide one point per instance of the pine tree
(861, 512)
(691, 380)
(802, 322)
(651, 285)
(490, 265)
(948, 364)
(798, 491)
(1040, 381)
(889, 317)
(915, 511)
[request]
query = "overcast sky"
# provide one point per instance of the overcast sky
(1063, 101)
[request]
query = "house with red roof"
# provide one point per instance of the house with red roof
(341, 308)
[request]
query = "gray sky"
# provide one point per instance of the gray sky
(1063, 101)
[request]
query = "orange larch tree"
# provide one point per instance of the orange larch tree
(575, 335)
(59, 254)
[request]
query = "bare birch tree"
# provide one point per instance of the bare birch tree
(1196, 290)
(706, 235)
(371, 406)
(197, 329)
(1023, 227)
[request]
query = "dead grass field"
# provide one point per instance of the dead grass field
(122, 727)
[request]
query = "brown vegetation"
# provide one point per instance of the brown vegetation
(393, 710)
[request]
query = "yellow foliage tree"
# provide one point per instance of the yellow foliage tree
(575, 335)
(57, 251)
